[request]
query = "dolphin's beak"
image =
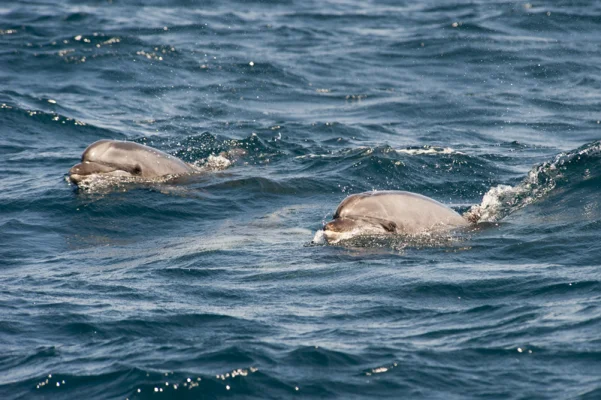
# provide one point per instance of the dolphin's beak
(339, 229)
(340, 225)
(346, 228)
(84, 170)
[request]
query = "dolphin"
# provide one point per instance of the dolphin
(390, 212)
(114, 158)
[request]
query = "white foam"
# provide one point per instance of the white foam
(489, 210)
(428, 150)
(217, 163)
(319, 238)
(341, 152)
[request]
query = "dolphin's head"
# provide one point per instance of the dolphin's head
(113, 158)
(89, 169)
(348, 227)
(105, 158)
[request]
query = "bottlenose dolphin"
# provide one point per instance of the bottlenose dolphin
(106, 158)
(390, 212)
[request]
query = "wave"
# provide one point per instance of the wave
(566, 170)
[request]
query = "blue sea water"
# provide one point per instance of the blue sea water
(212, 287)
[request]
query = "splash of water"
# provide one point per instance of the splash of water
(502, 200)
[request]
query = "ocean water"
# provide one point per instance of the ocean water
(211, 287)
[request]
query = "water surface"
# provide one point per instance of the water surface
(211, 288)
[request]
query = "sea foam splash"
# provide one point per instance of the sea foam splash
(319, 238)
(502, 200)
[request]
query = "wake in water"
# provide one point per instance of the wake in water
(566, 169)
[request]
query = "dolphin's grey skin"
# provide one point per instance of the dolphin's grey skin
(106, 158)
(385, 212)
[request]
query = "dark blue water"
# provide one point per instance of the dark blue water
(211, 288)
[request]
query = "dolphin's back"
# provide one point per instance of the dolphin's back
(411, 213)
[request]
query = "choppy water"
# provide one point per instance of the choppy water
(210, 288)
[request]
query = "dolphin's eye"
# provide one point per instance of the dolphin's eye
(137, 170)
(389, 226)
